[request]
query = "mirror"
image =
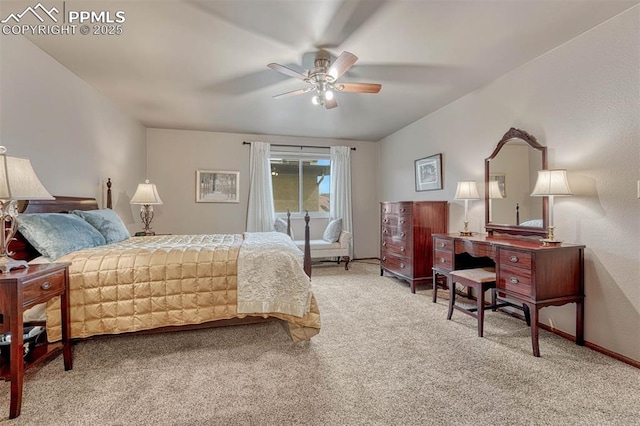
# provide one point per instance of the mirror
(513, 167)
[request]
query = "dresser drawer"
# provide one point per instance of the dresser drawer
(396, 234)
(398, 248)
(399, 220)
(43, 287)
(396, 208)
(514, 279)
(515, 258)
(398, 264)
(443, 259)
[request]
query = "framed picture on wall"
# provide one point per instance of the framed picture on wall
(428, 173)
(217, 186)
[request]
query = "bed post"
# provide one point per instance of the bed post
(307, 247)
(108, 193)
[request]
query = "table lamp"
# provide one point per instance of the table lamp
(494, 193)
(18, 181)
(467, 190)
(551, 183)
(146, 195)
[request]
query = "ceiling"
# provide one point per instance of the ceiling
(201, 65)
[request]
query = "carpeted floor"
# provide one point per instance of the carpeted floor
(384, 357)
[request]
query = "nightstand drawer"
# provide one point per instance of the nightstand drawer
(43, 287)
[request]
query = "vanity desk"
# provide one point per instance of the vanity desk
(526, 271)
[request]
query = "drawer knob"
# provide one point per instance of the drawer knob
(385, 221)
(401, 265)
(384, 244)
(402, 234)
(401, 221)
(443, 260)
(514, 259)
(402, 210)
(514, 280)
(443, 245)
(402, 248)
(45, 285)
(384, 258)
(384, 231)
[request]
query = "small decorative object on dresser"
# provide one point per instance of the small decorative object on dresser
(428, 172)
(405, 238)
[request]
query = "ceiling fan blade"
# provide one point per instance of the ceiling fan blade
(342, 64)
(331, 104)
(293, 93)
(359, 87)
(287, 71)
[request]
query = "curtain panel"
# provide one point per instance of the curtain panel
(261, 214)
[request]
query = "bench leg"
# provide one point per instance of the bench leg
(452, 298)
(480, 311)
(346, 262)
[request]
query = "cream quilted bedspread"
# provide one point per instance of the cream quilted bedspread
(148, 282)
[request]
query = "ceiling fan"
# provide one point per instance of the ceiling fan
(322, 79)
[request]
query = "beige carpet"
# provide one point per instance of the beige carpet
(384, 357)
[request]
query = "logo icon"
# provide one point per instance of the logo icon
(34, 11)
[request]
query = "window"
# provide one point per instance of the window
(301, 182)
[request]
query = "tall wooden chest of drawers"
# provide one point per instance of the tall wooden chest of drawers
(406, 245)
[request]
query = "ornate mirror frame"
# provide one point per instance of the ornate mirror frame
(512, 134)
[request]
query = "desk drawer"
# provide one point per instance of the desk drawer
(443, 259)
(42, 287)
(516, 259)
(443, 244)
(398, 264)
(514, 279)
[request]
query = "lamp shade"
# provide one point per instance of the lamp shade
(551, 182)
(18, 180)
(494, 189)
(467, 190)
(147, 193)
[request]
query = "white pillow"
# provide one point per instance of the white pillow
(332, 231)
(281, 226)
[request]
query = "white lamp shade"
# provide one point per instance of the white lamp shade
(494, 189)
(467, 190)
(18, 180)
(551, 182)
(147, 193)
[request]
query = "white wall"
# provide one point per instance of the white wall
(74, 137)
(173, 156)
(581, 100)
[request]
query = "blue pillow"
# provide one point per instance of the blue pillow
(56, 234)
(107, 222)
(332, 231)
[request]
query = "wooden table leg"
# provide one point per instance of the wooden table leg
(580, 322)
(16, 360)
(480, 311)
(534, 330)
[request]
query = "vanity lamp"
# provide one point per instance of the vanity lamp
(494, 193)
(146, 195)
(18, 181)
(467, 190)
(551, 183)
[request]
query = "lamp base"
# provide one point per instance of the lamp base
(144, 233)
(7, 264)
(466, 233)
(550, 242)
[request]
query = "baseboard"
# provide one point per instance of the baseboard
(593, 346)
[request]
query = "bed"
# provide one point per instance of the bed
(170, 282)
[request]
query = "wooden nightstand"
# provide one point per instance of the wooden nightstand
(21, 289)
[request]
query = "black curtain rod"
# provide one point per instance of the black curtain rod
(299, 146)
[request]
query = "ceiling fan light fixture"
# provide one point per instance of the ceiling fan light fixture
(328, 95)
(315, 100)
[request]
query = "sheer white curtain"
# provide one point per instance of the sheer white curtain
(261, 212)
(340, 198)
